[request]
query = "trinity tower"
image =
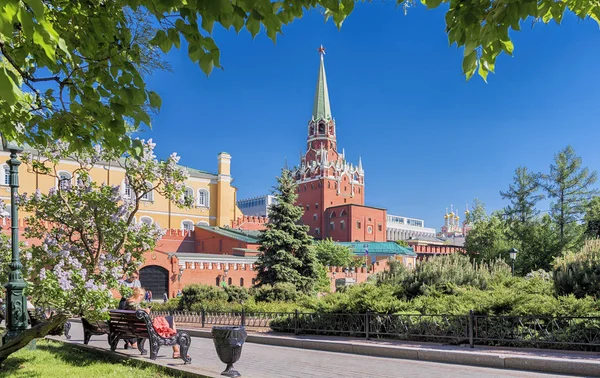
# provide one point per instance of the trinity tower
(330, 189)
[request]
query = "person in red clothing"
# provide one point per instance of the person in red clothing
(160, 324)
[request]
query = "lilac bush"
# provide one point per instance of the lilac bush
(88, 237)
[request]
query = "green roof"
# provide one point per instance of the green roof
(321, 109)
(199, 173)
(245, 236)
(378, 248)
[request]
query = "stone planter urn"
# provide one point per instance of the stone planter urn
(228, 343)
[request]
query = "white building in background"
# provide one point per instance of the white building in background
(403, 228)
(257, 206)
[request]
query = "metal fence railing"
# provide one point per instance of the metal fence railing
(472, 329)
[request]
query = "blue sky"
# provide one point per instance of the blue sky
(427, 137)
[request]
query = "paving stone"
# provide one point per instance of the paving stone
(267, 361)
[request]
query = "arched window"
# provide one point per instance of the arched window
(242, 281)
(229, 281)
(315, 217)
(332, 226)
(332, 215)
(64, 180)
(146, 220)
(203, 198)
(189, 194)
(321, 128)
(202, 223)
(6, 175)
(187, 225)
(343, 213)
(217, 280)
(343, 225)
(149, 195)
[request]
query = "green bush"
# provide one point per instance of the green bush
(360, 299)
(445, 273)
(579, 273)
(282, 292)
(173, 304)
(196, 294)
(442, 273)
(236, 294)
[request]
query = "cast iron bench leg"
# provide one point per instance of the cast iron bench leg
(67, 329)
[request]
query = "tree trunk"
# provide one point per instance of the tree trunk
(38, 331)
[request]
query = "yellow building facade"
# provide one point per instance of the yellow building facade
(214, 196)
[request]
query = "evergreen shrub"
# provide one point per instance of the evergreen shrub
(280, 292)
(579, 273)
(447, 272)
(196, 294)
(173, 304)
(236, 294)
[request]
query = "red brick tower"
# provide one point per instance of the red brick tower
(325, 179)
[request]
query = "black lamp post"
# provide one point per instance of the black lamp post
(513, 256)
(16, 303)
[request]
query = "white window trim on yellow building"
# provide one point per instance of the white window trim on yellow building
(6, 180)
(189, 192)
(145, 219)
(148, 196)
(203, 200)
(202, 223)
(125, 187)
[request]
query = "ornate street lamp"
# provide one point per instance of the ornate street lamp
(16, 304)
(181, 269)
(513, 256)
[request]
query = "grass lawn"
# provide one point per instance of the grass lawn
(57, 360)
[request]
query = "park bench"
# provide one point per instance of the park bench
(37, 316)
(129, 324)
(95, 328)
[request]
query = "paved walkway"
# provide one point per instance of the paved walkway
(268, 361)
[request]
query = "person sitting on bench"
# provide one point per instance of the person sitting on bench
(160, 324)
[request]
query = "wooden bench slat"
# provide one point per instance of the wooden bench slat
(125, 324)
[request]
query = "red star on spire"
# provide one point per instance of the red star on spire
(321, 50)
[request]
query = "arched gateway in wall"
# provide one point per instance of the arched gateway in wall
(155, 278)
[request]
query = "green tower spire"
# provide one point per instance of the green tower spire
(321, 109)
